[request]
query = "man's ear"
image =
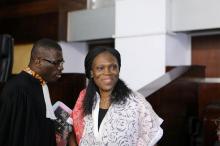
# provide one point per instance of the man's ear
(37, 62)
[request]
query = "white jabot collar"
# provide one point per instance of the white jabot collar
(49, 109)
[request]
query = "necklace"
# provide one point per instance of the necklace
(35, 75)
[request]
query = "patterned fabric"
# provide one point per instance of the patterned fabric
(133, 123)
(36, 75)
(77, 116)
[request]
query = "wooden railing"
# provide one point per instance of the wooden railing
(175, 99)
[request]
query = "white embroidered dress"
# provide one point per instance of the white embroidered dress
(133, 123)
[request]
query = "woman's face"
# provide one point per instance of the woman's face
(105, 71)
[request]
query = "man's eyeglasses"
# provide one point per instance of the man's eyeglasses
(56, 63)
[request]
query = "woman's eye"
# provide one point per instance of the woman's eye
(113, 67)
(100, 68)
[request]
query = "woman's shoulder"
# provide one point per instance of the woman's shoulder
(136, 96)
(139, 99)
(82, 92)
(80, 97)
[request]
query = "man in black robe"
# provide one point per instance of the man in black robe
(26, 116)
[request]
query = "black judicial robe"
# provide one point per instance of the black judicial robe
(23, 119)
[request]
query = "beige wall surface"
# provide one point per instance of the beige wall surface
(21, 57)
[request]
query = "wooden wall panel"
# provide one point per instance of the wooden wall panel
(28, 21)
(29, 29)
(209, 109)
(206, 51)
(67, 88)
(209, 93)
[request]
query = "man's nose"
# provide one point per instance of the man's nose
(60, 67)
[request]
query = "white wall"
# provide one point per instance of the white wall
(140, 17)
(140, 37)
(178, 49)
(94, 4)
(91, 24)
(74, 54)
(190, 15)
(143, 59)
(178, 45)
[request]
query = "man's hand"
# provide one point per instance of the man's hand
(72, 140)
(60, 141)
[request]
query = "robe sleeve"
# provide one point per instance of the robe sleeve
(23, 119)
(13, 118)
(149, 124)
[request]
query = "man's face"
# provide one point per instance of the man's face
(51, 65)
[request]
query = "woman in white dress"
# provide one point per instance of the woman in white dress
(107, 112)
